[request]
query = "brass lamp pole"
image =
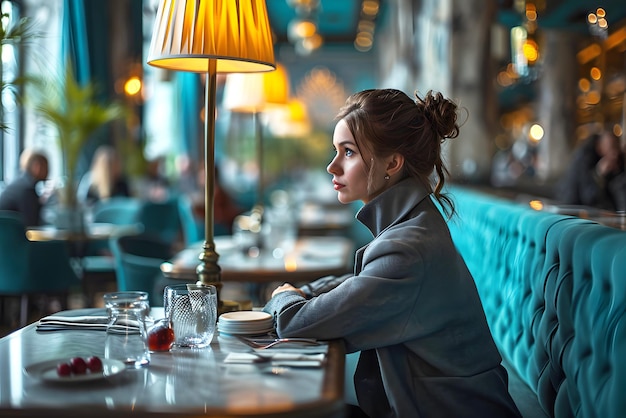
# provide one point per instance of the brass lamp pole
(211, 36)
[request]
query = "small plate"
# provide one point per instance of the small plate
(245, 316)
(245, 332)
(47, 371)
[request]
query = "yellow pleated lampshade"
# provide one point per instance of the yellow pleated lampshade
(235, 33)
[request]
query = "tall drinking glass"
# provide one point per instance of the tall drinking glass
(192, 312)
(126, 338)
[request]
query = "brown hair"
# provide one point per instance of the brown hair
(387, 121)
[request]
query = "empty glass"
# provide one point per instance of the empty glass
(192, 312)
(126, 338)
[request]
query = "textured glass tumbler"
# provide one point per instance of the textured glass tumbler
(192, 311)
(126, 338)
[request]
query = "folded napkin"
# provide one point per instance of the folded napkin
(277, 359)
(84, 322)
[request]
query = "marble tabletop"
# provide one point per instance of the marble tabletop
(177, 383)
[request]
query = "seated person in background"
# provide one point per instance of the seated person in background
(157, 184)
(617, 185)
(589, 179)
(106, 176)
(21, 195)
(225, 209)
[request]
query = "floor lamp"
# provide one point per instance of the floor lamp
(256, 94)
(210, 37)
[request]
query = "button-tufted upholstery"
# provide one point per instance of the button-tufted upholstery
(554, 291)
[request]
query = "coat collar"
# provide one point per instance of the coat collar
(392, 205)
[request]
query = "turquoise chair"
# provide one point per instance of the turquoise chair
(98, 266)
(29, 268)
(138, 260)
(161, 220)
(117, 210)
(192, 227)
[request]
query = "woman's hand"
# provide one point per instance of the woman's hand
(286, 287)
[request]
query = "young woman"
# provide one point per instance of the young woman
(411, 307)
(107, 176)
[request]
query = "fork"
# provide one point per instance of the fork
(272, 343)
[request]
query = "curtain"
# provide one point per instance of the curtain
(190, 87)
(74, 43)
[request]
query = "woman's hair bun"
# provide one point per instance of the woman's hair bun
(440, 112)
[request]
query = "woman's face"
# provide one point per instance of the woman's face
(350, 174)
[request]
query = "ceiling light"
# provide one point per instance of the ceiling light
(299, 29)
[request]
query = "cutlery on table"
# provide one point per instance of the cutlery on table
(263, 344)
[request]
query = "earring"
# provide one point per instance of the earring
(387, 177)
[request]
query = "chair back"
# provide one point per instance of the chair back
(118, 210)
(193, 228)
(32, 267)
(138, 260)
(51, 268)
(14, 254)
(161, 219)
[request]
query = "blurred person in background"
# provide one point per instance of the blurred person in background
(186, 181)
(21, 195)
(154, 185)
(593, 176)
(225, 209)
(106, 176)
(618, 184)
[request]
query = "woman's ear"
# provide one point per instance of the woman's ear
(395, 164)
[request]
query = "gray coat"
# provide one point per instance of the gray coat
(413, 311)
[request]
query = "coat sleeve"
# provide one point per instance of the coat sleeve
(367, 310)
(323, 285)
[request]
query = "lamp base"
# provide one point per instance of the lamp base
(209, 272)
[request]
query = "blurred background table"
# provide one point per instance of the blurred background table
(311, 258)
(92, 232)
(324, 219)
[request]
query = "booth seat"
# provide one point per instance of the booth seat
(554, 292)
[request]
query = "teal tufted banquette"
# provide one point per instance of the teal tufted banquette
(554, 291)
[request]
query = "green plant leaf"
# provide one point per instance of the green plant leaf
(75, 112)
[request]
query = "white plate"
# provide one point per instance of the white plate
(245, 316)
(245, 332)
(257, 330)
(47, 371)
(246, 324)
(244, 327)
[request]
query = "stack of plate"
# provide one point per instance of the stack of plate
(245, 323)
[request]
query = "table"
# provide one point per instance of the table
(311, 258)
(92, 232)
(181, 383)
(320, 219)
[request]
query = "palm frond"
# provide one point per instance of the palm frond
(21, 31)
(74, 111)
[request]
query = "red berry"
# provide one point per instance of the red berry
(94, 364)
(160, 338)
(78, 365)
(64, 369)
